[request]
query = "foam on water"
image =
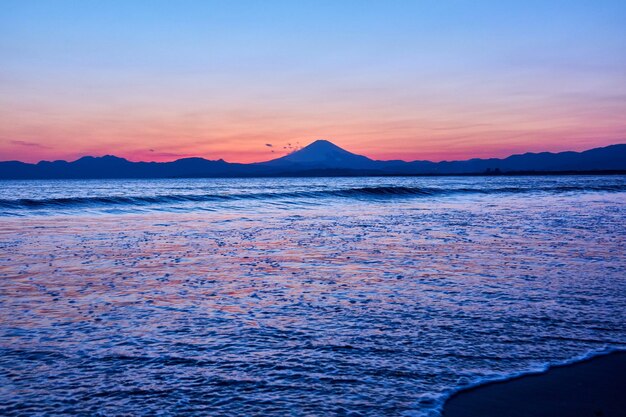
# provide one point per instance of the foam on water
(303, 306)
(440, 400)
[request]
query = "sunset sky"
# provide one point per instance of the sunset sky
(430, 79)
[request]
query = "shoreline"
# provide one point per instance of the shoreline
(591, 387)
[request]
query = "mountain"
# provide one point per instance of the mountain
(609, 158)
(113, 167)
(320, 158)
(322, 154)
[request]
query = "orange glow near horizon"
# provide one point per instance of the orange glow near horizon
(388, 80)
(245, 140)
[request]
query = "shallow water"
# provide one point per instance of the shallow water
(352, 296)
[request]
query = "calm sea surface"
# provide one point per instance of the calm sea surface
(319, 296)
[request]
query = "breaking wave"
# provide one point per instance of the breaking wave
(359, 193)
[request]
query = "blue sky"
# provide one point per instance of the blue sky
(391, 79)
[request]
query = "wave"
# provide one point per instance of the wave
(439, 402)
(363, 192)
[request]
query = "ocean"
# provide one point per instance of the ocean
(300, 296)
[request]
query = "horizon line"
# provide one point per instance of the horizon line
(297, 150)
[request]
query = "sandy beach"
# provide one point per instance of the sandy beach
(594, 387)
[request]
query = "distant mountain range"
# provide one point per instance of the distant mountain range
(321, 158)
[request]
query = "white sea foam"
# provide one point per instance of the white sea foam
(372, 306)
(439, 401)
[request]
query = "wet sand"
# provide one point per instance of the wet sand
(594, 388)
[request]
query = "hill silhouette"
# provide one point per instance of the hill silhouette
(322, 154)
(320, 158)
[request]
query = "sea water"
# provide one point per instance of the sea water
(300, 296)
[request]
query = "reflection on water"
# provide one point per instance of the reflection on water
(345, 307)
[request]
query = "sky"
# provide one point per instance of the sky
(160, 80)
